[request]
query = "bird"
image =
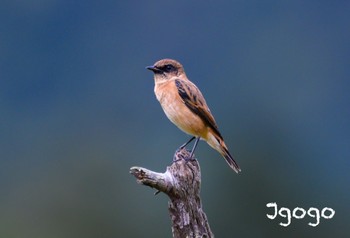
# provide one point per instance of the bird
(184, 105)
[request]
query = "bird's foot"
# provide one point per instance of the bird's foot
(177, 157)
(183, 155)
(190, 158)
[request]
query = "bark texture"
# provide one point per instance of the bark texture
(181, 182)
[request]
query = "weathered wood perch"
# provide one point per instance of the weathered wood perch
(181, 182)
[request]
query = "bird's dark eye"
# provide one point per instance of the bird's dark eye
(169, 68)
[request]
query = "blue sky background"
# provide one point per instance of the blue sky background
(78, 110)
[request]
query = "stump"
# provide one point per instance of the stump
(181, 182)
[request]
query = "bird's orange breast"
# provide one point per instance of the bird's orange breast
(177, 112)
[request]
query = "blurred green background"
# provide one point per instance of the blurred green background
(78, 110)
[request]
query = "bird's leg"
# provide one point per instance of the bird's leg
(194, 147)
(184, 145)
(191, 155)
(181, 147)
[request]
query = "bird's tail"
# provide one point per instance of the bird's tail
(229, 159)
(218, 144)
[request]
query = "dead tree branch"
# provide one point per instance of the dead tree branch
(181, 182)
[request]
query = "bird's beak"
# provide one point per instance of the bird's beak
(154, 69)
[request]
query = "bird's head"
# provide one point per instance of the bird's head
(166, 69)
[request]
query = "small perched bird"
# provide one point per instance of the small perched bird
(186, 107)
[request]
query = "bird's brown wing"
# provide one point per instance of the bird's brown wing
(195, 101)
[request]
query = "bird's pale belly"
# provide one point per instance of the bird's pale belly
(179, 114)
